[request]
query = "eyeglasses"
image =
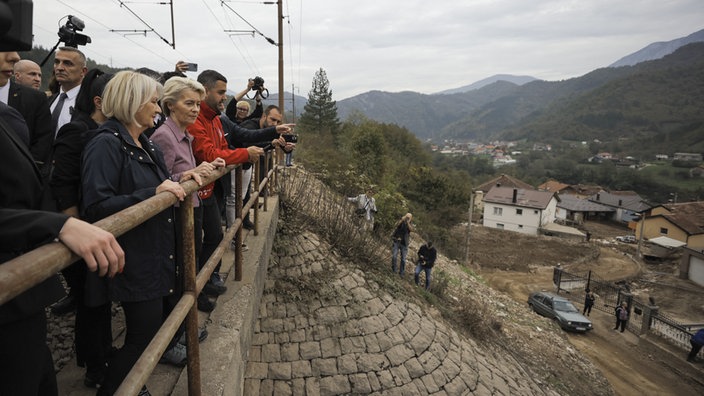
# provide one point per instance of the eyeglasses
(242, 109)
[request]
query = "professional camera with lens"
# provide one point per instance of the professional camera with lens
(258, 85)
(68, 33)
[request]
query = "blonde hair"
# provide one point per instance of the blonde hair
(126, 93)
(173, 89)
(243, 103)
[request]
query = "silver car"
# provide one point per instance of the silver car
(561, 310)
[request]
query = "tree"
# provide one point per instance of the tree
(320, 113)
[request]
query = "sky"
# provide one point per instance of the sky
(364, 45)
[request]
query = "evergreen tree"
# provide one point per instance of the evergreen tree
(320, 113)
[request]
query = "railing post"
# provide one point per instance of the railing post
(189, 286)
(238, 233)
(257, 173)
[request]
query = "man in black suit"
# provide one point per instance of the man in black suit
(26, 366)
(34, 108)
(69, 70)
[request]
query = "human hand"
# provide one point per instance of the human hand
(218, 162)
(250, 84)
(279, 142)
(254, 153)
(172, 187)
(181, 66)
(285, 128)
(98, 248)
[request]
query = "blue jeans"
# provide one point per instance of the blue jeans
(427, 270)
(398, 245)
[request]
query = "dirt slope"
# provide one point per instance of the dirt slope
(516, 265)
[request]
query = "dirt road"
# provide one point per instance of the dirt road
(633, 365)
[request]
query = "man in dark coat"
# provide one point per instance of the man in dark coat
(26, 366)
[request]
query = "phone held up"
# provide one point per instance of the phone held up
(192, 67)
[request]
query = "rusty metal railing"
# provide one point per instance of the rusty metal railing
(28, 270)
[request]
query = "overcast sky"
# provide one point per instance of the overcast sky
(389, 45)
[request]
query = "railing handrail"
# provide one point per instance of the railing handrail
(31, 268)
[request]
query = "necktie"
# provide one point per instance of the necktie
(57, 111)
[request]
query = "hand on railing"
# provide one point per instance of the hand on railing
(205, 169)
(172, 187)
(96, 246)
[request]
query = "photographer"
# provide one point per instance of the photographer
(238, 109)
(426, 259)
(271, 118)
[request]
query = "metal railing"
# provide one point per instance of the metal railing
(30, 269)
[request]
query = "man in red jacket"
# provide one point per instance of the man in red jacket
(209, 143)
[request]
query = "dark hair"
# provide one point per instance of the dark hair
(166, 76)
(209, 77)
(93, 85)
(270, 108)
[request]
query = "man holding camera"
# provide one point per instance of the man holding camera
(426, 259)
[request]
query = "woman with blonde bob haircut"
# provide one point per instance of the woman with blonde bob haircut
(122, 167)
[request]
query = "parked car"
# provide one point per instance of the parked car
(626, 239)
(559, 309)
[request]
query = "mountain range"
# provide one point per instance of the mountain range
(657, 98)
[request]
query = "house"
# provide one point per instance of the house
(519, 210)
(503, 180)
(581, 190)
(627, 204)
(553, 186)
(694, 157)
(683, 222)
(571, 208)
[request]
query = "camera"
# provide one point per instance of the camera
(68, 33)
(290, 138)
(258, 85)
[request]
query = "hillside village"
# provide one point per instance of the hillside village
(504, 153)
(555, 208)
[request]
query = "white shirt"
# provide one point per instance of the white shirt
(5, 92)
(67, 109)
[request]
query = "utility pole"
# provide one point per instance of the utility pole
(469, 228)
(281, 54)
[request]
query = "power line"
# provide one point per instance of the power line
(271, 41)
(244, 58)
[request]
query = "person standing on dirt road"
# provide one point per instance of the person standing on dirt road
(621, 316)
(697, 342)
(588, 302)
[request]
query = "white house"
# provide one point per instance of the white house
(520, 210)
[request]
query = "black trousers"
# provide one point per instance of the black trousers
(26, 366)
(142, 320)
(694, 351)
(212, 231)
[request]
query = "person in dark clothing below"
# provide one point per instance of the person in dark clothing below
(621, 316)
(697, 342)
(401, 238)
(26, 365)
(426, 259)
(588, 302)
(93, 329)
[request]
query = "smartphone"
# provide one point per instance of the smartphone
(192, 67)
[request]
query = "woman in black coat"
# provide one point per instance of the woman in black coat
(122, 167)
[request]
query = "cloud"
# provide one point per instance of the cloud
(390, 45)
